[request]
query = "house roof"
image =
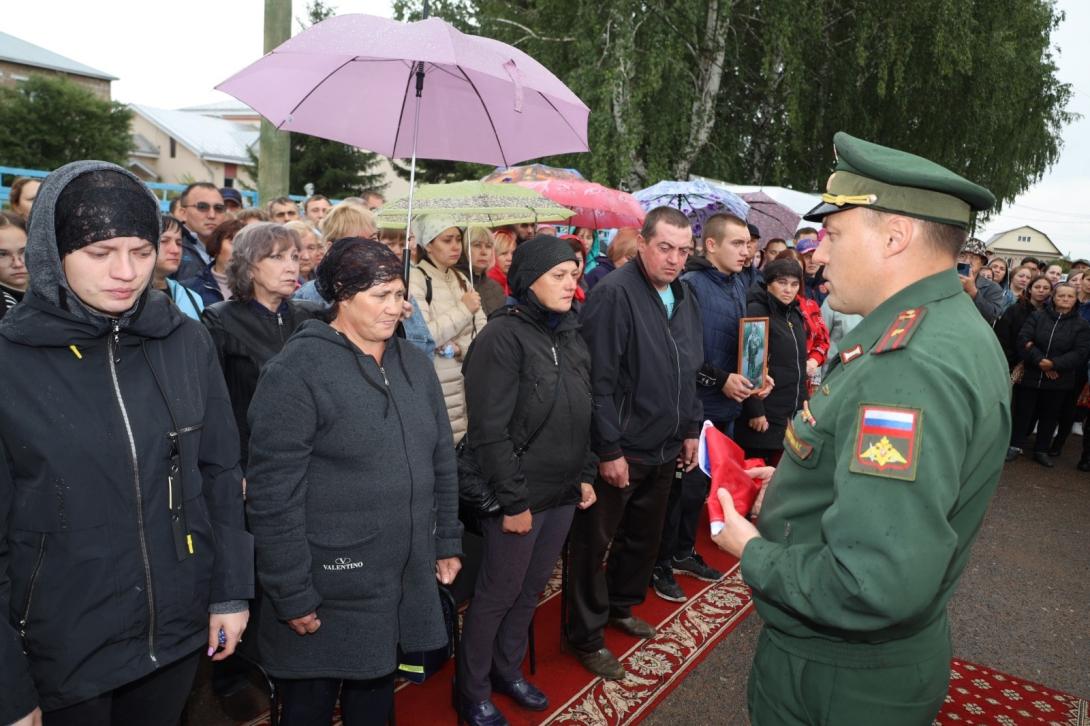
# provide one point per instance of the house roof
(212, 139)
(17, 50)
(229, 107)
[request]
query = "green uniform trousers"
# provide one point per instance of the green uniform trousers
(788, 690)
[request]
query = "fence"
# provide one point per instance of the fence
(8, 174)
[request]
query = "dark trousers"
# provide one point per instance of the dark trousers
(157, 699)
(687, 497)
(514, 571)
(310, 701)
(626, 524)
(1035, 403)
(1069, 414)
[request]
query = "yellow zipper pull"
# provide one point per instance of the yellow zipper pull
(75, 351)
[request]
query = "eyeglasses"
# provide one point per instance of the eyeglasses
(8, 258)
(203, 207)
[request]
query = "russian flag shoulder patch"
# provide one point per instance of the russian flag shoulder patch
(887, 441)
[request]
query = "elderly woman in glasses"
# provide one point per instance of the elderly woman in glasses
(353, 497)
(254, 324)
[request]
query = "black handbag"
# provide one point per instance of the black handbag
(476, 495)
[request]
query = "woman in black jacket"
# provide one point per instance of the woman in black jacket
(1009, 326)
(352, 497)
(1054, 344)
(253, 326)
(121, 521)
(527, 379)
(763, 422)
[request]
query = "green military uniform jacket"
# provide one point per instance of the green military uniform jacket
(884, 483)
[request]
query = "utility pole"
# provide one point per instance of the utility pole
(274, 150)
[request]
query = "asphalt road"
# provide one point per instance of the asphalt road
(1023, 606)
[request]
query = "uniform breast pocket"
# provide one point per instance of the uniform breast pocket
(802, 443)
(343, 571)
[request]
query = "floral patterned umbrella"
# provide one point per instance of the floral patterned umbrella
(474, 202)
(595, 206)
(698, 200)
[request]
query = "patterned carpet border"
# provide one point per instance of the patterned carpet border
(657, 665)
(981, 696)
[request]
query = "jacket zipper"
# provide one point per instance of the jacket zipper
(677, 391)
(114, 355)
(1048, 349)
(280, 326)
(30, 591)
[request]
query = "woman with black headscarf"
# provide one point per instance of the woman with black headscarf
(123, 552)
(352, 497)
(528, 393)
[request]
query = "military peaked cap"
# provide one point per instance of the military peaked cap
(887, 180)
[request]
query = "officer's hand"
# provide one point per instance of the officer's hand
(766, 389)
(588, 495)
(759, 424)
(737, 530)
(969, 285)
(614, 473)
(737, 387)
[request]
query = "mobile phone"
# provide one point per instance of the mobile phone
(964, 269)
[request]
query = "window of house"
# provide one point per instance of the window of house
(173, 148)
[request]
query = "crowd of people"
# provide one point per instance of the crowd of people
(228, 410)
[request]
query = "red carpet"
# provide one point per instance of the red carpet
(984, 697)
(687, 632)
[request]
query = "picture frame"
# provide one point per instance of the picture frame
(753, 350)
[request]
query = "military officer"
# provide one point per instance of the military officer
(886, 475)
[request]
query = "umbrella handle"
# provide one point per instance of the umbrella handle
(407, 257)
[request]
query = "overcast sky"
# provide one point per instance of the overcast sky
(171, 55)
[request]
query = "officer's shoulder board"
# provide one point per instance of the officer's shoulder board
(900, 331)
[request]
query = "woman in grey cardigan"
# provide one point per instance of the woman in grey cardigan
(352, 497)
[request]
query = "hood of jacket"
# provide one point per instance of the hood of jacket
(51, 314)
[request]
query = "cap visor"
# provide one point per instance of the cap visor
(823, 210)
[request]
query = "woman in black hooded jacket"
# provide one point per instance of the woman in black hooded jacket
(1054, 345)
(761, 427)
(122, 544)
(527, 375)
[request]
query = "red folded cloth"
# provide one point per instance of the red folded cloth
(725, 462)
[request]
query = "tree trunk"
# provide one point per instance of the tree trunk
(622, 52)
(713, 49)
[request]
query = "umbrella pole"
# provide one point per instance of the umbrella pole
(407, 257)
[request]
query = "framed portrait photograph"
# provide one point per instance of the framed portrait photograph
(753, 350)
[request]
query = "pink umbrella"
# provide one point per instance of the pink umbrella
(595, 206)
(414, 89)
(351, 79)
(772, 218)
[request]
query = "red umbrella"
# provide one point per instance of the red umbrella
(595, 206)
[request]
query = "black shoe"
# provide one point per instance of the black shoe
(1083, 465)
(523, 692)
(602, 663)
(666, 586)
(1043, 459)
(634, 627)
(1054, 453)
(1013, 452)
(694, 565)
(483, 713)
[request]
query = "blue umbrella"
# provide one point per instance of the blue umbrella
(698, 200)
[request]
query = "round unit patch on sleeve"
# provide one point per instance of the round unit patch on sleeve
(887, 442)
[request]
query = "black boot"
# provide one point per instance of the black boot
(1042, 458)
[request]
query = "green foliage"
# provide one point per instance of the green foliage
(48, 121)
(969, 83)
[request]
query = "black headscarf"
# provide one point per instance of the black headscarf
(354, 264)
(101, 205)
